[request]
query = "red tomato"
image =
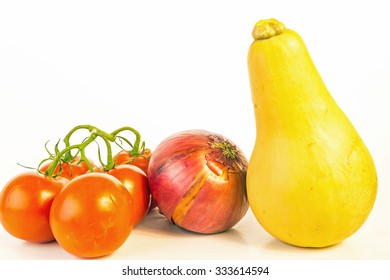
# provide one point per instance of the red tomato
(69, 170)
(92, 216)
(142, 160)
(25, 206)
(136, 182)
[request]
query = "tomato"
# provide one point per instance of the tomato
(25, 206)
(71, 169)
(136, 182)
(92, 216)
(142, 160)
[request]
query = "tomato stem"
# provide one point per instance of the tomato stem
(59, 156)
(65, 155)
(136, 146)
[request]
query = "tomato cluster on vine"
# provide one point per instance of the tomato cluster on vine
(89, 209)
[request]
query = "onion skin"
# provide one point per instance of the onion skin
(198, 181)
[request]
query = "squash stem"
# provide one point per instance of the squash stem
(267, 28)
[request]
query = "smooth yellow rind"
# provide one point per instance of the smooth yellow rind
(311, 180)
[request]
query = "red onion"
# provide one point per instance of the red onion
(198, 181)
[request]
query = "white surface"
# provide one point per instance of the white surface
(166, 66)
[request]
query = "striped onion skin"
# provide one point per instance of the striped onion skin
(198, 180)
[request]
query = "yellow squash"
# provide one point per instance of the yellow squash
(311, 180)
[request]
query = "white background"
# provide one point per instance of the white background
(166, 66)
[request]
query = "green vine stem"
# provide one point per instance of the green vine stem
(108, 138)
(136, 146)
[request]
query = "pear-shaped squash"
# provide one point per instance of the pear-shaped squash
(311, 180)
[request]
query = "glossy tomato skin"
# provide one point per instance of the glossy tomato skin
(92, 216)
(71, 169)
(25, 203)
(136, 182)
(142, 160)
